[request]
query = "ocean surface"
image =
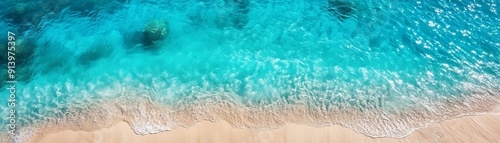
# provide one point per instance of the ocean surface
(383, 68)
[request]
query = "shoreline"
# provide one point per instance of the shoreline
(478, 128)
(119, 119)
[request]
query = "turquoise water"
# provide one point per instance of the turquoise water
(345, 59)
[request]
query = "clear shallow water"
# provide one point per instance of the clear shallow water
(421, 61)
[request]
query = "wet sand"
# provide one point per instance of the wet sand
(481, 128)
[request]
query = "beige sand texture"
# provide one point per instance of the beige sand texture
(473, 129)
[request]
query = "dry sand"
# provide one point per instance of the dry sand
(482, 128)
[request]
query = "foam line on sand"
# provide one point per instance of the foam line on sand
(481, 128)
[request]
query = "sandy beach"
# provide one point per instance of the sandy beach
(481, 128)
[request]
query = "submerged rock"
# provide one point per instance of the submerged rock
(95, 52)
(242, 6)
(23, 58)
(21, 13)
(341, 9)
(155, 31)
(3, 48)
(236, 16)
(24, 51)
